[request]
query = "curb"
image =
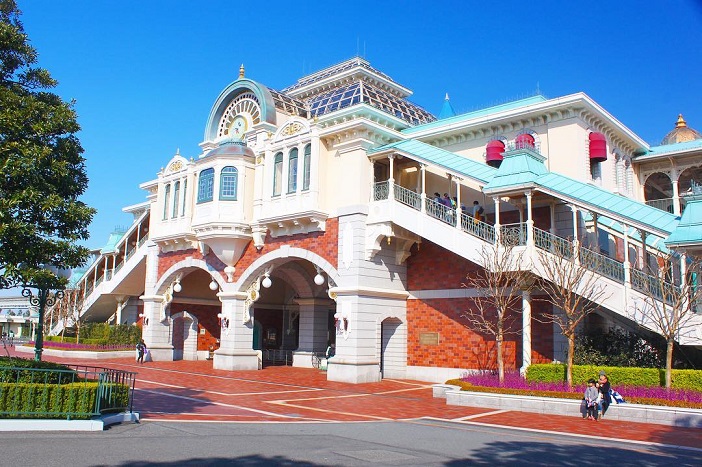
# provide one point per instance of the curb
(94, 424)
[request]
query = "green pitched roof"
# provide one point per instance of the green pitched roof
(111, 245)
(519, 169)
(446, 109)
(689, 230)
(448, 160)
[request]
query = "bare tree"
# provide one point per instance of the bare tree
(498, 286)
(570, 286)
(670, 306)
(68, 309)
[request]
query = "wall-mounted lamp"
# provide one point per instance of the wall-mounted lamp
(319, 278)
(144, 318)
(177, 287)
(214, 285)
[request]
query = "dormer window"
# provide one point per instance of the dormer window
(205, 187)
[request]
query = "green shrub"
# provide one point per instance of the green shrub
(60, 374)
(76, 400)
(618, 376)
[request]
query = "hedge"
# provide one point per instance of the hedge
(75, 400)
(621, 376)
(53, 375)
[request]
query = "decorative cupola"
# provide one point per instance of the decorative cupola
(681, 133)
(598, 147)
(494, 151)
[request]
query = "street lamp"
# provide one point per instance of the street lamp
(44, 297)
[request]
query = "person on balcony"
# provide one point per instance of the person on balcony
(478, 211)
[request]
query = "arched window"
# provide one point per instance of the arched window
(228, 180)
(166, 200)
(292, 171)
(205, 188)
(176, 199)
(277, 173)
(307, 170)
(185, 197)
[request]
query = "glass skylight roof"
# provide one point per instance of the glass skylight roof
(336, 69)
(288, 104)
(361, 92)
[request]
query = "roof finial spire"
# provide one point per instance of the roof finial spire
(177, 152)
(447, 97)
(681, 122)
(241, 71)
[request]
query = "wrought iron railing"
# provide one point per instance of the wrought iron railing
(440, 211)
(601, 264)
(64, 393)
(381, 191)
(513, 234)
(480, 229)
(407, 197)
(553, 243)
(653, 286)
(277, 357)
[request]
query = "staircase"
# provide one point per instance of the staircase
(626, 289)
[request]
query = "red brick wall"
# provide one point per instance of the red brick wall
(325, 244)
(432, 267)
(461, 347)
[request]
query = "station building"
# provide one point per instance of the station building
(309, 217)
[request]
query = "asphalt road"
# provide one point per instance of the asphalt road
(420, 442)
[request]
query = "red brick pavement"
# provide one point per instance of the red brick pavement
(194, 391)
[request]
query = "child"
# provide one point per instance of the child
(141, 350)
(591, 396)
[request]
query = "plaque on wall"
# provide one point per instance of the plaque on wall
(428, 338)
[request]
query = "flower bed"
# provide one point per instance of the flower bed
(516, 385)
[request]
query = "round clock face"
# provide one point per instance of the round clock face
(238, 128)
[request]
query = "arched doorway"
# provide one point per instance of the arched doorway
(291, 315)
(658, 191)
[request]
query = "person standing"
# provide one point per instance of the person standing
(477, 211)
(141, 350)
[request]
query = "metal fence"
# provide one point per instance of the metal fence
(277, 357)
(77, 392)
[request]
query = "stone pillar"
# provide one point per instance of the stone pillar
(576, 242)
(526, 331)
(236, 341)
(496, 200)
(423, 196)
(676, 198)
(530, 221)
(314, 318)
(157, 334)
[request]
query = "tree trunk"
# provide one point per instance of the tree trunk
(569, 360)
(669, 363)
(500, 358)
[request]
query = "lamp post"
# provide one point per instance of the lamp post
(45, 296)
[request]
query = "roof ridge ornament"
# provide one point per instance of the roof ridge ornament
(681, 123)
(241, 71)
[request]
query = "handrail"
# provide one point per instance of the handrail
(553, 243)
(477, 228)
(440, 211)
(602, 264)
(381, 191)
(513, 234)
(407, 197)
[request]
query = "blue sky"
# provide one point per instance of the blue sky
(144, 74)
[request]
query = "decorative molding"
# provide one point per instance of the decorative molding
(252, 294)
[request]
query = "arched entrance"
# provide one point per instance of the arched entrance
(658, 191)
(291, 317)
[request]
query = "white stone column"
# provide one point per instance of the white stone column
(423, 196)
(391, 178)
(530, 221)
(526, 331)
(496, 200)
(314, 164)
(313, 330)
(157, 334)
(236, 340)
(459, 211)
(627, 263)
(576, 242)
(676, 198)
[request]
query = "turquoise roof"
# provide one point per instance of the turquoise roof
(670, 148)
(602, 200)
(689, 230)
(524, 169)
(447, 109)
(76, 275)
(432, 155)
(519, 169)
(477, 114)
(111, 245)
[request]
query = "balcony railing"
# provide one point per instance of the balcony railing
(480, 229)
(553, 243)
(408, 197)
(513, 234)
(602, 265)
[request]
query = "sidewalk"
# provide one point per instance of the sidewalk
(193, 390)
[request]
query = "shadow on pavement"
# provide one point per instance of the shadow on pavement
(531, 453)
(221, 461)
